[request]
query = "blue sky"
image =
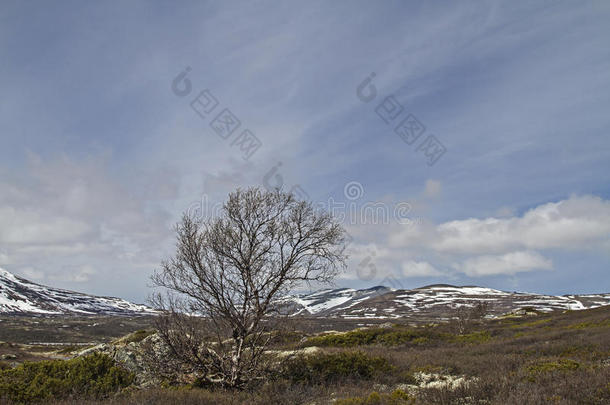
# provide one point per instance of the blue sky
(99, 157)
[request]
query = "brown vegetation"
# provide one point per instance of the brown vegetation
(561, 358)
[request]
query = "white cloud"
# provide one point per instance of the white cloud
(577, 223)
(4, 259)
(26, 227)
(419, 269)
(32, 274)
(509, 263)
(75, 274)
(59, 216)
(486, 246)
(84, 274)
(364, 262)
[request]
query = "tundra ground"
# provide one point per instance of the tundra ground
(557, 358)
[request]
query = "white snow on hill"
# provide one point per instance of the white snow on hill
(439, 301)
(434, 301)
(20, 296)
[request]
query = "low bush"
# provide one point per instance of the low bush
(587, 325)
(397, 397)
(393, 337)
(94, 376)
(283, 337)
(542, 367)
(531, 324)
(326, 368)
(136, 336)
(380, 336)
(69, 349)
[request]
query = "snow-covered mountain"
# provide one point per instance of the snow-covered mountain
(434, 301)
(20, 296)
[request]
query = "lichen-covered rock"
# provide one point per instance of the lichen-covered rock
(131, 356)
(289, 353)
(435, 380)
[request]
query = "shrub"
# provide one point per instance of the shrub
(283, 337)
(542, 367)
(381, 336)
(407, 377)
(397, 397)
(531, 324)
(136, 336)
(587, 325)
(93, 376)
(393, 337)
(325, 368)
(69, 349)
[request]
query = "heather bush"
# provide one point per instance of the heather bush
(93, 376)
(541, 367)
(136, 336)
(398, 397)
(372, 336)
(333, 367)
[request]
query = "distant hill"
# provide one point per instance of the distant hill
(20, 296)
(438, 301)
(433, 301)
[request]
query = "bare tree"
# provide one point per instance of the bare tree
(223, 284)
(466, 316)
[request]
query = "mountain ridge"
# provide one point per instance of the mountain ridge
(19, 296)
(434, 301)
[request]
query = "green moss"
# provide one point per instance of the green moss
(325, 368)
(397, 397)
(93, 376)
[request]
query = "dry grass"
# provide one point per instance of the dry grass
(545, 359)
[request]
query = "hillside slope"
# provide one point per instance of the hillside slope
(20, 296)
(434, 301)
